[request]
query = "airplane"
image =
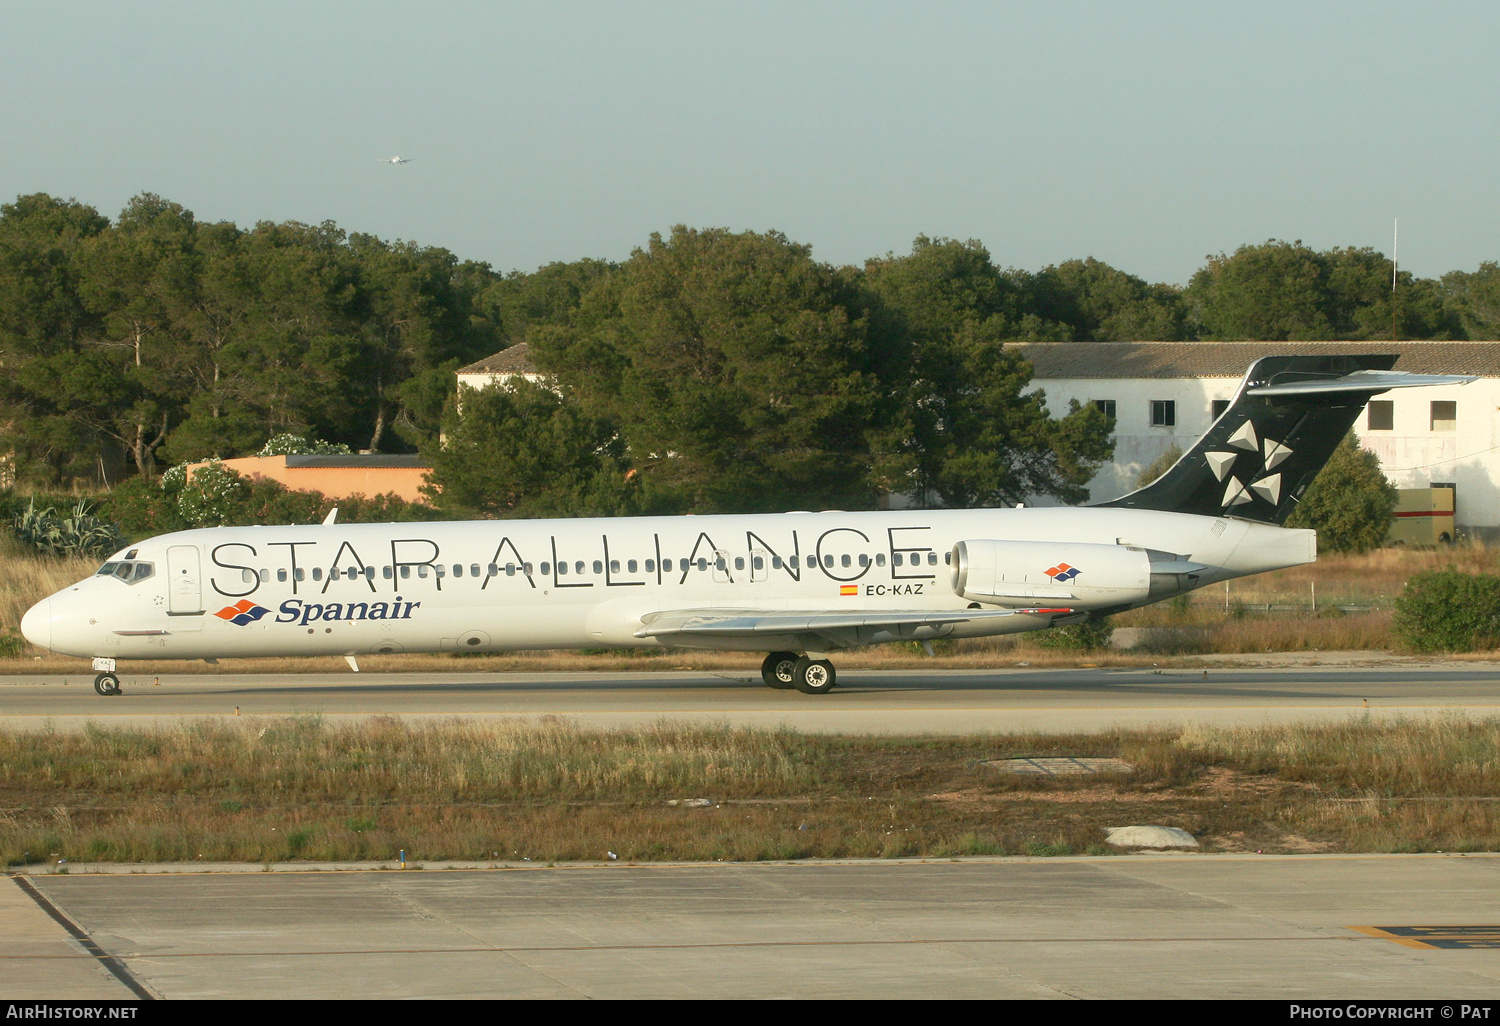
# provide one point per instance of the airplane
(799, 586)
(395, 160)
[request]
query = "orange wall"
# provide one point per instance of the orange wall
(334, 482)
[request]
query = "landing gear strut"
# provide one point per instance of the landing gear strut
(107, 684)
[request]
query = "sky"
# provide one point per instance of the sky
(1145, 134)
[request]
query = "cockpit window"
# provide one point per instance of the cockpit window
(127, 570)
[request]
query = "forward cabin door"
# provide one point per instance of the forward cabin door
(184, 587)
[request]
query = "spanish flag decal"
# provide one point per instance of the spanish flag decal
(849, 589)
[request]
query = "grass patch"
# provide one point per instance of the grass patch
(264, 790)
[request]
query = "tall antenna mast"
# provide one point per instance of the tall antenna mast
(1395, 238)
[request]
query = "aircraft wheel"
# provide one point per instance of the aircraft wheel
(107, 684)
(776, 671)
(813, 676)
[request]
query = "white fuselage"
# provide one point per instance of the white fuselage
(350, 589)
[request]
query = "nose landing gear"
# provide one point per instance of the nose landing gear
(107, 684)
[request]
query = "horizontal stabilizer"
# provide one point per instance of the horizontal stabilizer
(1360, 381)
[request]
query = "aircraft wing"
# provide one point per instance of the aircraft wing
(838, 629)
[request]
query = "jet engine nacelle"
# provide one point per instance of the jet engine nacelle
(1079, 575)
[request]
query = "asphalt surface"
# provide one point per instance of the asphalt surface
(873, 701)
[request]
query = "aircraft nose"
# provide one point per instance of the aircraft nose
(36, 625)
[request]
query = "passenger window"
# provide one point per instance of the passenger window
(844, 559)
(630, 566)
(300, 574)
(546, 569)
(369, 573)
(932, 559)
(650, 566)
(265, 577)
(510, 569)
(828, 562)
(317, 573)
(578, 566)
(758, 563)
(880, 559)
(526, 569)
(897, 559)
(719, 563)
(739, 562)
(406, 571)
(864, 560)
(562, 569)
(702, 563)
(387, 573)
(948, 557)
(422, 570)
(599, 566)
(458, 570)
(795, 562)
(775, 562)
(473, 569)
(247, 576)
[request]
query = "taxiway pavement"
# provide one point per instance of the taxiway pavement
(866, 701)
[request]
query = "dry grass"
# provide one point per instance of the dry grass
(276, 789)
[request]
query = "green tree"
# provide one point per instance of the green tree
(973, 434)
(522, 451)
(735, 366)
(1349, 503)
(1271, 292)
(1103, 304)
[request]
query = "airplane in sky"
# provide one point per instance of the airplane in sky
(395, 160)
(798, 586)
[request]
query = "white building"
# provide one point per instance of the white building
(499, 368)
(1168, 393)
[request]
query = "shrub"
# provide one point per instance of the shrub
(1448, 611)
(1087, 636)
(81, 534)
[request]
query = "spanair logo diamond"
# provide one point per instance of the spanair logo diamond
(242, 612)
(1062, 573)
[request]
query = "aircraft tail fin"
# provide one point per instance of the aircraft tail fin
(1257, 459)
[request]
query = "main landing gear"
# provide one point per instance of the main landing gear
(789, 670)
(107, 684)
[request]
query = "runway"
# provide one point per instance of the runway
(866, 701)
(1289, 927)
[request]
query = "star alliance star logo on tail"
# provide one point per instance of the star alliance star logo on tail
(242, 612)
(1268, 485)
(1062, 573)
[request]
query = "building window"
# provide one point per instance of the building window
(1163, 413)
(1106, 407)
(1218, 407)
(1380, 416)
(1445, 415)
